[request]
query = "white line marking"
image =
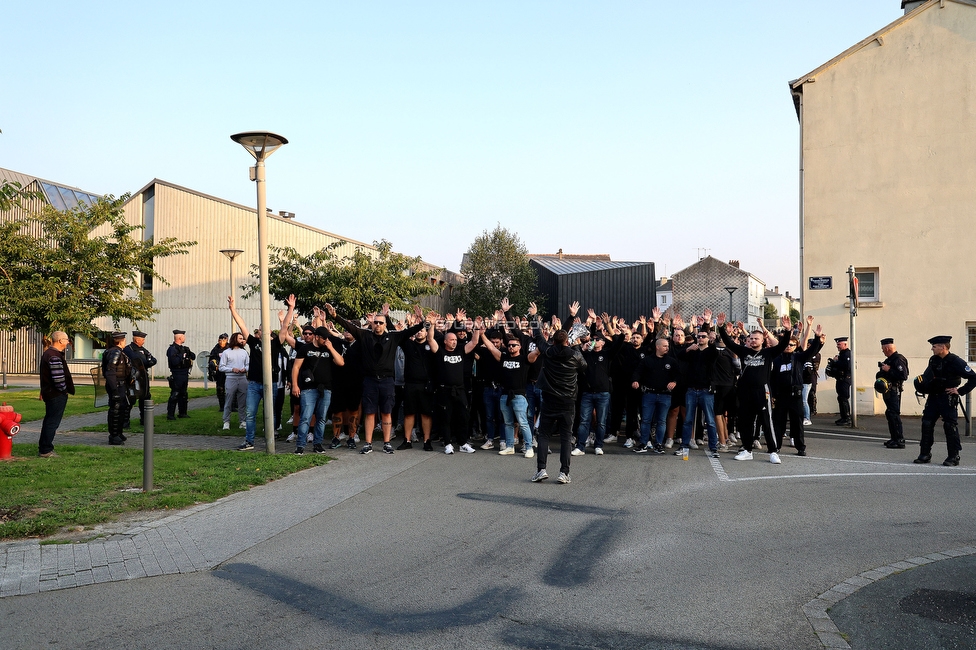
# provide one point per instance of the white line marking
(766, 478)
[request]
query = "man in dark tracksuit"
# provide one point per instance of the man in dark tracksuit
(941, 382)
(894, 370)
(787, 389)
(561, 367)
(753, 387)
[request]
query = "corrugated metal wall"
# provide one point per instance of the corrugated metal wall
(626, 291)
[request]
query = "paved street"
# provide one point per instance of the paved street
(427, 550)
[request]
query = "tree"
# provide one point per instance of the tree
(795, 315)
(496, 266)
(769, 311)
(85, 264)
(12, 195)
(354, 284)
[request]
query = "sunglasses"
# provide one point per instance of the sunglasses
(379, 322)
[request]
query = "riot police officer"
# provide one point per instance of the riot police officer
(842, 376)
(117, 372)
(142, 360)
(180, 360)
(940, 382)
(892, 373)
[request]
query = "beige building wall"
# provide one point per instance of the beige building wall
(888, 140)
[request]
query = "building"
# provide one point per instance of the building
(194, 297)
(665, 293)
(712, 284)
(887, 135)
(618, 288)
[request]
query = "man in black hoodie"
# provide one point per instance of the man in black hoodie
(787, 387)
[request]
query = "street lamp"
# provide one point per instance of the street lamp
(262, 144)
(731, 290)
(232, 254)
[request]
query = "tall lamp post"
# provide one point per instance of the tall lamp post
(232, 254)
(262, 144)
(731, 290)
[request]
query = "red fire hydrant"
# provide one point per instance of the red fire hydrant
(9, 427)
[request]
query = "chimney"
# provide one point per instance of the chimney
(734, 263)
(776, 288)
(560, 253)
(911, 5)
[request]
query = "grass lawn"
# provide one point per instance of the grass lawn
(83, 485)
(31, 407)
(207, 422)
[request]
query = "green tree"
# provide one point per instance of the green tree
(86, 264)
(12, 195)
(496, 266)
(354, 284)
(769, 311)
(795, 315)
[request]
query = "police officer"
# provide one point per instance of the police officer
(117, 372)
(141, 360)
(180, 361)
(940, 382)
(842, 369)
(894, 371)
(214, 373)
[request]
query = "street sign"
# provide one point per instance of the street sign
(821, 282)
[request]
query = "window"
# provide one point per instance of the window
(664, 300)
(149, 228)
(867, 285)
(971, 342)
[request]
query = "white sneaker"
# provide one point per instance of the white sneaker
(309, 437)
(279, 428)
(668, 443)
(226, 426)
(449, 449)
(791, 443)
(355, 438)
(693, 444)
(629, 443)
(291, 438)
(468, 449)
(413, 436)
(507, 451)
(598, 451)
(610, 440)
(529, 453)
(242, 425)
(577, 452)
(541, 475)
(723, 447)
(590, 440)
(744, 455)
(807, 423)
(774, 458)
(534, 443)
(503, 445)
(489, 444)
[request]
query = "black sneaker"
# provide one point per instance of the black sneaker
(336, 443)
(317, 448)
(351, 444)
(657, 449)
(388, 448)
(406, 444)
(428, 446)
(640, 449)
(299, 451)
(367, 448)
(115, 440)
(184, 415)
(245, 446)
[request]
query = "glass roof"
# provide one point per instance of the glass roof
(65, 198)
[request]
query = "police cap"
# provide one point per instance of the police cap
(141, 335)
(222, 336)
(175, 332)
(887, 341)
(840, 339)
(118, 335)
(940, 340)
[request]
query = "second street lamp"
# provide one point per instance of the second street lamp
(262, 144)
(232, 254)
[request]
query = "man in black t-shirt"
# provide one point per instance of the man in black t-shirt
(513, 379)
(451, 401)
(417, 388)
(311, 382)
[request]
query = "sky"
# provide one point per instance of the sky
(651, 131)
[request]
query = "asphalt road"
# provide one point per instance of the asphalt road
(639, 551)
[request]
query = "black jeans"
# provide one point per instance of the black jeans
(177, 394)
(451, 414)
(53, 412)
(118, 407)
(555, 423)
(892, 400)
(789, 407)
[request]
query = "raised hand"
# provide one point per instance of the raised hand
(461, 315)
(290, 301)
(707, 315)
(720, 319)
(810, 319)
(656, 314)
(505, 304)
(694, 321)
(385, 309)
(533, 309)
(573, 308)
(329, 308)
(787, 323)
(591, 313)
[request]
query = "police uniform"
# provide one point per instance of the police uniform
(894, 378)
(942, 373)
(116, 370)
(142, 360)
(180, 361)
(843, 384)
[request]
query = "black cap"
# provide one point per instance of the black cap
(887, 341)
(322, 331)
(175, 332)
(118, 335)
(840, 339)
(940, 340)
(139, 334)
(223, 336)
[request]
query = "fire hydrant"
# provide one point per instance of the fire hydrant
(9, 427)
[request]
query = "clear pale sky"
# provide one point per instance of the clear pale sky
(646, 130)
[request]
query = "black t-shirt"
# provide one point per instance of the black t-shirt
(316, 370)
(450, 365)
(416, 362)
(255, 371)
(514, 373)
(489, 370)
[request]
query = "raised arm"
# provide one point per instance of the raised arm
(237, 317)
(284, 330)
(495, 352)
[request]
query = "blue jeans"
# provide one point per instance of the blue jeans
(806, 401)
(313, 402)
(534, 396)
(694, 399)
(654, 408)
(490, 397)
(600, 402)
(255, 393)
(516, 409)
